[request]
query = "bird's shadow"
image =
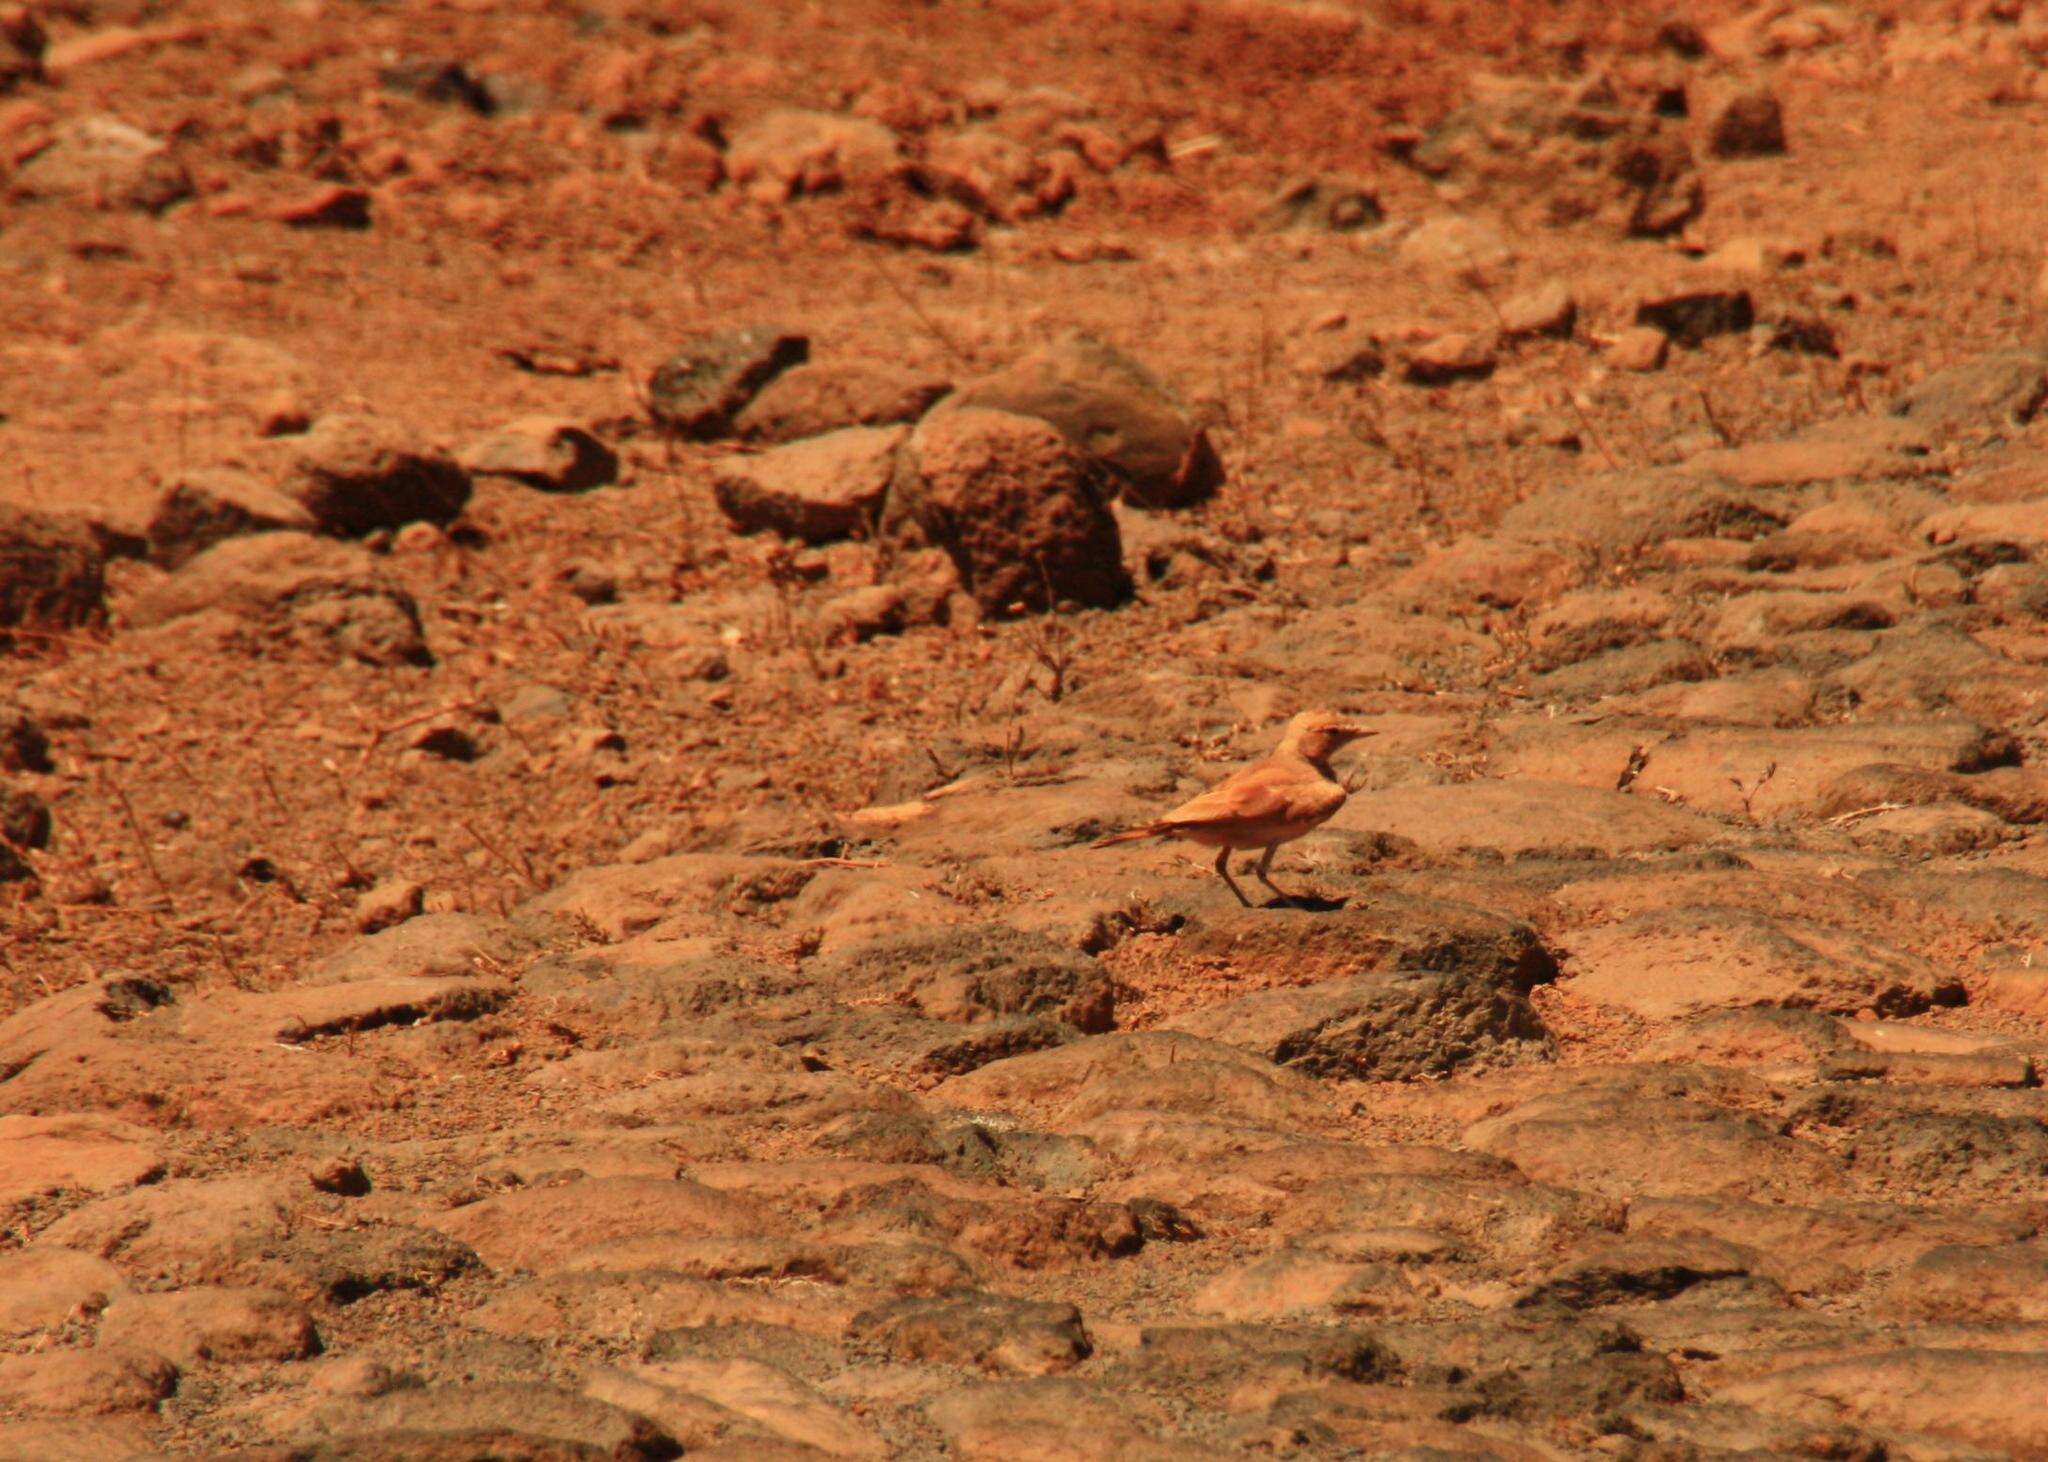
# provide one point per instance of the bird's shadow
(1306, 903)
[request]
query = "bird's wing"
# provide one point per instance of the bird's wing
(1261, 793)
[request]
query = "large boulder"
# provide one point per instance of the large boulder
(1020, 510)
(1114, 409)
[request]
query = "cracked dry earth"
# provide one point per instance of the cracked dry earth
(572, 604)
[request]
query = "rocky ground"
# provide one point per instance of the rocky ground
(577, 582)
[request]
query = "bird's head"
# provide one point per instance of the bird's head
(1317, 735)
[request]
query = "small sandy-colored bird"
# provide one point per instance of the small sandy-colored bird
(1273, 801)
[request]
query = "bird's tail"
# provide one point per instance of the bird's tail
(1131, 835)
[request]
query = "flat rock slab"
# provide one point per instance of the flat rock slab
(1774, 773)
(1521, 819)
(1052, 1416)
(489, 1419)
(307, 1012)
(42, 1288)
(1388, 1026)
(826, 396)
(1630, 1139)
(1158, 1071)
(103, 1379)
(1988, 1398)
(543, 452)
(816, 490)
(315, 591)
(1376, 930)
(224, 1325)
(542, 1229)
(1668, 964)
(73, 1153)
(976, 1329)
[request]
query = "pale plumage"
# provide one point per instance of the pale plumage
(1273, 801)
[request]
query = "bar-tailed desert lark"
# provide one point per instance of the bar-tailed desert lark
(1273, 801)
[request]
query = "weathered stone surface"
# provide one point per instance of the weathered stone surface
(1152, 1071)
(44, 1288)
(1624, 1139)
(76, 1153)
(1569, 154)
(978, 973)
(1545, 309)
(1692, 314)
(1993, 392)
(974, 1328)
(542, 1228)
(544, 452)
(1374, 931)
(1521, 818)
(52, 571)
(1020, 510)
(1389, 1026)
(202, 508)
(816, 490)
(490, 1419)
(699, 389)
(2003, 1282)
(85, 1382)
(817, 397)
(226, 1326)
(1678, 962)
(329, 597)
(1748, 124)
(356, 473)
(790, 152)
(1051, 1417)
(1987, 1398)
(103, 162)
(1111, 408)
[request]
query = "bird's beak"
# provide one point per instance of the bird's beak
(1355, 733)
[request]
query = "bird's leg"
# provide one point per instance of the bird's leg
(1265, 864)
(1223, 867)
